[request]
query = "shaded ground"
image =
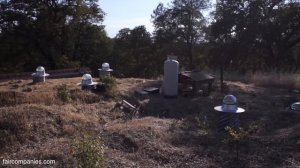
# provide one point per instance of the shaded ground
(180, 132)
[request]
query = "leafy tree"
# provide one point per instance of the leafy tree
(56, 34)
(133, 50)
(256, 34)
(181, 22)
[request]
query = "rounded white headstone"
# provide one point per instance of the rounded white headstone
(230, 100)
(296, 106)
(229, 105)
(105, 66)
(40, 68)
(86, 79)
(40, 71)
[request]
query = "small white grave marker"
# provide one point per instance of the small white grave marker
(295, 107)
(228, 113)
(87, 82)
(39, 75)
(105, 70)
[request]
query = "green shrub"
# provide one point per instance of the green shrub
(88, 151)
(202, 123)
(110, 85)
(236, 137)
(109, 81)
(63, 93)
(173, 125)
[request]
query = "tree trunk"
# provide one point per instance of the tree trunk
(190, 55)
(221, 76)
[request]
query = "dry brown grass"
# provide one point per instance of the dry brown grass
(265, 79)
(47, 98)
(8, 98)
(83, 96)
(281, 80)
(153, 127)
(13, 126)
(82, 118)
(38, 125)
(11, 98)
(48, 129)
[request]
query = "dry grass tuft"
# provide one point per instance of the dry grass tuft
(13, 125)
(83, 96)
(8, 98)
(70, 117)
(282, 80)
(143, 129)
(46, 98)
(265, 79)
(12, 98)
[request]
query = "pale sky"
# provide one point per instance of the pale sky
(128, 14)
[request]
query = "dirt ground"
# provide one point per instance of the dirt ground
(179, 132)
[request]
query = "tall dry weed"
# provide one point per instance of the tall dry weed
(84, 96)
(280, 80)
(13, 125)
(8, 98)
(287, 80)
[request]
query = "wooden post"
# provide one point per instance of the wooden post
(221, 75)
